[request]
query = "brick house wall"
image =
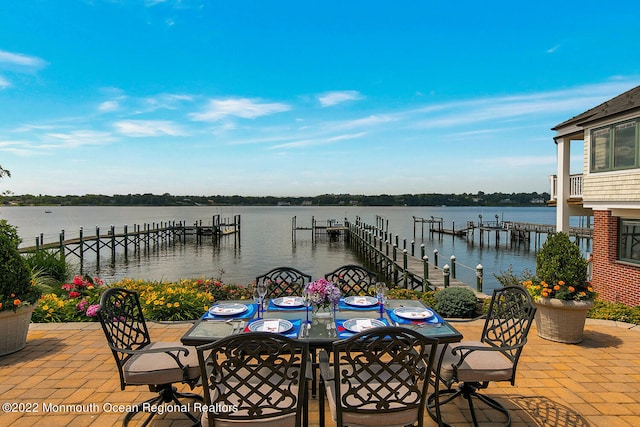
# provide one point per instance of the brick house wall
(614, 281)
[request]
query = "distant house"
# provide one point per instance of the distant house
(608, 189)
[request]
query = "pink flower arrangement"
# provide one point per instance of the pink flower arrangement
(323, 293)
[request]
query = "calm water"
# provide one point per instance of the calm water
(266, 239)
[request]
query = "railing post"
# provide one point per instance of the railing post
(425, 264)
(422, 251)
(404, 267)
(479, 271)
(445, 275)
(453, 266)
(435, 257)
(413, 248)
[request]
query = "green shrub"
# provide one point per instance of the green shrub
(16, 288)
(458, 301)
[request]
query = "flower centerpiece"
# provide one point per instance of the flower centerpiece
(322, 294)
(561, 290)
(18, 293)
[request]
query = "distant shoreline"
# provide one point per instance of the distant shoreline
(431, 199)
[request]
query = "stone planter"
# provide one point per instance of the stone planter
(14, 327)
(561, 321)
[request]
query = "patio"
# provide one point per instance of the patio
(67, 373)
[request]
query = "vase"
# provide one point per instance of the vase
(321, 312)
(561, 321)
(14, 326)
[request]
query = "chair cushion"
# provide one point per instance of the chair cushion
(478, 366)
(160, 368)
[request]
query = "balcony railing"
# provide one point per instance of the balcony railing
(575, 186)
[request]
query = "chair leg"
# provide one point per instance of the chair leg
(468, 391)
(166, 393)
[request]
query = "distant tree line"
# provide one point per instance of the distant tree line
(166, 199)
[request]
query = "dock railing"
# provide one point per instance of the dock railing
(400, 264)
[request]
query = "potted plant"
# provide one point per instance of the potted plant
(561, 290)
(18, 295)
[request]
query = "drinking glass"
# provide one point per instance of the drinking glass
(381, 294)
(307, 304)
(261, 288)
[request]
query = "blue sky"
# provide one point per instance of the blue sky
(301, 98)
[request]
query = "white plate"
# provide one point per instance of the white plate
(230, 309)
(361, 301)
(414, 313)
(262, 325)
(359, 325)
(289, 302)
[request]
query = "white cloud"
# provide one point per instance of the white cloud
(553, 49)
(318, 141)
(333, 98)
(20, 59)
(108, 106)
(148, 128)
(4, 83)
(244, 108)
(76, 138)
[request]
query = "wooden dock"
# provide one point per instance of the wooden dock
(331, 228)
(509, 232)
(402, 267)
(137, 238)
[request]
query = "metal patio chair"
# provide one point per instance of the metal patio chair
(284, 281)
(352, 279)
(473, 365)
(379, 377)
(140, 361)
(254, 378)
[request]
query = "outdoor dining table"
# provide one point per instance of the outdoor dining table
(323, 331)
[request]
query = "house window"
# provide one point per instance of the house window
(615, 147)
(629, 240)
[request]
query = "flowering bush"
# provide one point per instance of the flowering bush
(560, 290)
(17, 288)
(561, 271)
(77, 301)
(323, 293)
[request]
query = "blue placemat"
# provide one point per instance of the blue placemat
(293, 333)
(344, 333)
(274, 307)
(402, 321)
(344, 306)
(251, 311)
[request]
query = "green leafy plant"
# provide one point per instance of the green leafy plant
(50, 264)
(457, 301)
(16, 286)
(561, 271)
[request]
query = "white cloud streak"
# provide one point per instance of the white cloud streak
(244, 108)
(333, 98)
(148, 128)
(21, 60)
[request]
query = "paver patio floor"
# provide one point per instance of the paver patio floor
(595, 383)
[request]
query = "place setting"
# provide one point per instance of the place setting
(287, 303)
(288, 328)
(414, 316)
(348, 327)
(357, 302)
(226, 311)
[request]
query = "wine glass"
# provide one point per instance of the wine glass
(261, 288)
(307, 304)
(381, 294)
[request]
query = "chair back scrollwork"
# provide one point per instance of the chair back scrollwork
(352, 279)
(284, 281)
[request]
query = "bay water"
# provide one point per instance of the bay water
(267, 241)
